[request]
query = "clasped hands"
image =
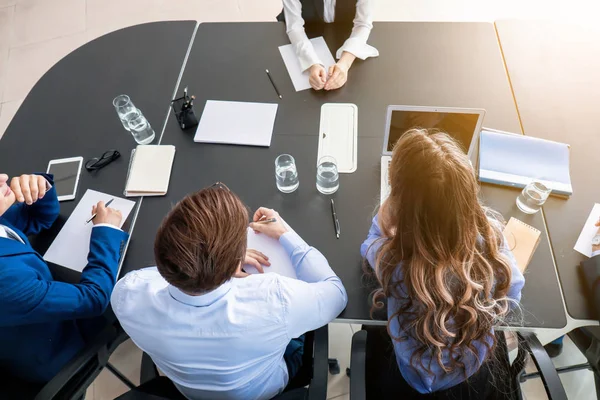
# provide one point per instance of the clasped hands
(338, 75)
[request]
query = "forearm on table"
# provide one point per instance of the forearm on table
(310, 264)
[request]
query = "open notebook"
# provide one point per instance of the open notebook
(149, 170)
(522, 239)
(515, 160)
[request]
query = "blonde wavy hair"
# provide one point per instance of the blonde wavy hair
(455, 279)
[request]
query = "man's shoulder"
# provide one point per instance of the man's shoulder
(140, 278)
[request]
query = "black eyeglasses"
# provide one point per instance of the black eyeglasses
(97, 163)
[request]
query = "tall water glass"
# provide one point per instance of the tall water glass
(532, 197)
(286, 174)
(125, 109)
(328, 179)
(140, 129)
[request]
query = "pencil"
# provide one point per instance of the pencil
(273, 83)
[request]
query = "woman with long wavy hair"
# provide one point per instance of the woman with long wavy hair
(442, 263)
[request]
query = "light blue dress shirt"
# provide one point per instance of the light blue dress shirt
(419, 378)
(229, 343)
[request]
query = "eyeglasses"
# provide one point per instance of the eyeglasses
(97, 163)
(220, 185)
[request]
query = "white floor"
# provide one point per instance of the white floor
(35, 34)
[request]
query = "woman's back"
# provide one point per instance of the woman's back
(442, 263)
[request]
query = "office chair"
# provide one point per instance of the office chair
(309, 384)
(73, 380)
(509, 375)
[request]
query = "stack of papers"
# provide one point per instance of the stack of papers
(515, 160)
(584, 242)
(234, 122)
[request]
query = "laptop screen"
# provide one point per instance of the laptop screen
(461, 126)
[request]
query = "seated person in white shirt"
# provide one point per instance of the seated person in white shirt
(215, 331)
(357, 12)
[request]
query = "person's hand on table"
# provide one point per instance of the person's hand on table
(317, 76)
(271, 229)
(597, 247)
(106, 215)
(28, 188)
(338, 75)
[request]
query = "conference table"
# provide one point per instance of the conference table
(426, 64)
(555, 74)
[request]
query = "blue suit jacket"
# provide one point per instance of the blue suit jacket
(38, 332)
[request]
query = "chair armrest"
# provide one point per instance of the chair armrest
(75, 377)
(318, 386)
(552, 384)
(148, 370)
(358, 358)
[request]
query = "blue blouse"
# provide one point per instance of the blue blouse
(419, 378)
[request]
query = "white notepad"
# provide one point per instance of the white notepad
(338, 135)
(278, 257)
(515, 160)
(234, 122)
(584, 242)
(150, 170)
(292, 63)
(71, 246)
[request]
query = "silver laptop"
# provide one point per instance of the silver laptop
(461, 123)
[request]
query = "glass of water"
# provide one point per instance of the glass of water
(532, 197)
(286, 174)
(125, 109)
(328, 179)
(140, 128)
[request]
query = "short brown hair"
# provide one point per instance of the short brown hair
(201, 242)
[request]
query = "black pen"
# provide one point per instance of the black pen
(94, 216)
(336, 223)
(273, 83)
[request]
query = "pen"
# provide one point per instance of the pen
(185, 93)
(336, 223)
(94, 216)
(266, 221)
(273, 83)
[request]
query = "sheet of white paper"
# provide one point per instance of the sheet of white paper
(278, 257)
(234, 122)
(72, 244)
(584, 243)
(292, 63)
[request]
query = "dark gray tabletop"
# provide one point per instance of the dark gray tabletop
(555, 72)
(437, 64)
(69, 111)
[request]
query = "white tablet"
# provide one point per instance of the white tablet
(66, 173)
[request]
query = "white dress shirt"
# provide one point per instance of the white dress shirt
(355, 44)
(229, 343)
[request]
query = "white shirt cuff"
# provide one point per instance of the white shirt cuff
(596, 253)
(108, 226)
(358, 48)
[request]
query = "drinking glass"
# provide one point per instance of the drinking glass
(328, 179)
(286, 174)
(532, 197)
(125, 109)
(140, 129)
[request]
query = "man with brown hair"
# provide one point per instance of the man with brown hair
(215, 331)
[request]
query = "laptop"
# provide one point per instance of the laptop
(461, 123)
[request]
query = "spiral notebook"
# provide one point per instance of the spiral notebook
(523, 240)
(149, 170)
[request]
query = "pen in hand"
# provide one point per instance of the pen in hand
(94, 216)
(336, 222)
(266, 221)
